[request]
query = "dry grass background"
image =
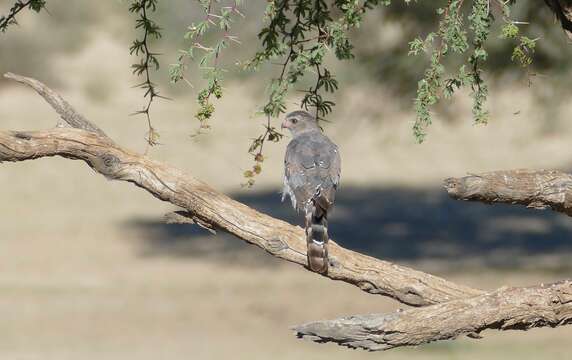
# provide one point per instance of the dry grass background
(87, 270)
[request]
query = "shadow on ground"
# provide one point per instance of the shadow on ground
(399, 224)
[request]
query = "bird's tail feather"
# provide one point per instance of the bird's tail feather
(317, 240)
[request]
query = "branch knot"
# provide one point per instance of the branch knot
(107, 164)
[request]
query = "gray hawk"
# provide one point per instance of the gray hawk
(311, 176)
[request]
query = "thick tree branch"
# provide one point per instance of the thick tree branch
(503, 309)
(453, 309)
(215, 210)
(538, 189)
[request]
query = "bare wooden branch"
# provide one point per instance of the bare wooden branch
(503, 309)
(538, 189)
(208, 206)
(212, 209)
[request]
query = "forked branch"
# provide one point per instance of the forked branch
(214, 210)
(451, 309)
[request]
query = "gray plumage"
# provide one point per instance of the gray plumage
(311, 177)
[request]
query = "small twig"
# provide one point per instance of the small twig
(149, 59)
(9, 19)
(62, 107)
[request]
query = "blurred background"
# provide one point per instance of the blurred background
(88, 270)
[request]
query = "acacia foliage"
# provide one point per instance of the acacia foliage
(301, 38)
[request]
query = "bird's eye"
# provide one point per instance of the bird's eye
(294, 121)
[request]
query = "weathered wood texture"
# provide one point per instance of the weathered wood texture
(215, 210)
(506, 308)
(538, 189)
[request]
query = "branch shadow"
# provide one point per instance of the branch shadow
(397, 224)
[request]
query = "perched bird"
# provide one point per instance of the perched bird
(311, 176)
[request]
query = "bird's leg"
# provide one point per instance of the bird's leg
(325, 225)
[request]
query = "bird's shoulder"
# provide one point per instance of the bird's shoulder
(313, 143)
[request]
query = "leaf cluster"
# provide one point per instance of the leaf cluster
(19, 5)
(458, 24)
(300, 36)
(218, 19)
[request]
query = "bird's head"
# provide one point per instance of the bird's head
(299, 121)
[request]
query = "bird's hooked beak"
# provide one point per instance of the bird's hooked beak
(285, 124)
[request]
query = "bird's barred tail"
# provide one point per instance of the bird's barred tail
(317, 240)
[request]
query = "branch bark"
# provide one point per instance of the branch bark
(503, 309)
(214, 210)
(537, 189)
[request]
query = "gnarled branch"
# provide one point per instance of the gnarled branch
(506, 308)
(218, 211)
(214, 210)
(538, 189)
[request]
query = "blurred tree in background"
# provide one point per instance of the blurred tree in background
(421, 51)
